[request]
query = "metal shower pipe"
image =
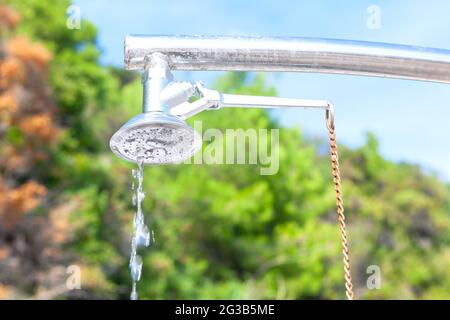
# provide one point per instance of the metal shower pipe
(291, 55)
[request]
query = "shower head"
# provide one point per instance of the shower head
(155, 138)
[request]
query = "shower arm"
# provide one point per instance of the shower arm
(162, 94)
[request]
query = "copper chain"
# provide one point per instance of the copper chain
(334, 156)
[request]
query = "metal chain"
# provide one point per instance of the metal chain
(334, 156)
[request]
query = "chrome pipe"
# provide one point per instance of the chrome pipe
(291, 55)
(155, 77)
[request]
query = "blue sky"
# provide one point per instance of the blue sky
(411, 119)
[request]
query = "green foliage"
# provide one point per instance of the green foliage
(237, 234)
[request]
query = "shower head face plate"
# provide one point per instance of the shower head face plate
(155, 138)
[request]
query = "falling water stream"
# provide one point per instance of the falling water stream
(142, 235)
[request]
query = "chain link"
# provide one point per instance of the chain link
(334, 156)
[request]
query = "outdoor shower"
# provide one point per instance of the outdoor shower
(159, 135)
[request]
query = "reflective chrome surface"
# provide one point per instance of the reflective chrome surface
(291, 54)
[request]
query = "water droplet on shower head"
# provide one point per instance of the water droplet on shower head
(134, 294)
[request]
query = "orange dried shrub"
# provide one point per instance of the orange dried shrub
(28, 124)
(5, 292)
(17, 161)
(25, 104)
(4, 252)
(60, 228)
(18, 201)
